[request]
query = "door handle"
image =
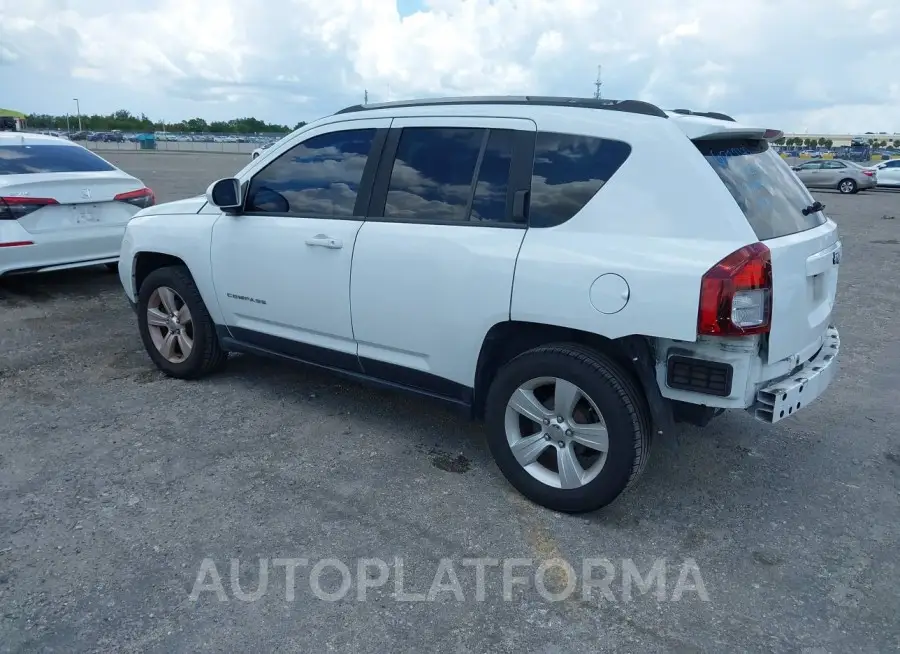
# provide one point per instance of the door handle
(323, 241)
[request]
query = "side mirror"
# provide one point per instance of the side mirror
(225, 194)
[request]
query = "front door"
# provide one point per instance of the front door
(281, 268)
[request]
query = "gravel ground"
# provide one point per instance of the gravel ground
(116, 484)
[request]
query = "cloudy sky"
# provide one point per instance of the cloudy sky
(816, 65)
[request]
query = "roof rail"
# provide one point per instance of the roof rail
(630, 106)
(705, 114)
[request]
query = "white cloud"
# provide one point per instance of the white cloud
(794, 63)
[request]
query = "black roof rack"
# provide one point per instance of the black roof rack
(630, 106)
(705, 114)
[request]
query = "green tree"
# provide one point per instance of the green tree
(125, 121)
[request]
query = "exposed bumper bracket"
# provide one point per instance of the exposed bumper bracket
(781, 399)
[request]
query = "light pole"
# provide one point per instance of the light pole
(78, 110)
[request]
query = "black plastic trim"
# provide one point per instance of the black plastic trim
(364, 370)
(629, 106)
(699, 375)
(368, 177)
(705, 114)
(418, 381)
(382, 181)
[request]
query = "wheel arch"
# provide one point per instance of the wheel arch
(145, 262)
(635, 354)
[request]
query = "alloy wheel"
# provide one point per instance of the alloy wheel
(556, 432)
(170, 325)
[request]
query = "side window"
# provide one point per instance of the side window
(568, 172)
(833, 165)
(892, 164)
(432, 175)
(319, 177)
(815, 165)
(491, 188)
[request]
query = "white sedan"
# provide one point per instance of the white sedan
(258, 151)
(888, 173)
(61, 205)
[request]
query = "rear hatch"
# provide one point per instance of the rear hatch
(48, 188)
(804, 245)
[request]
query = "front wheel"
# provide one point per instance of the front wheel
(567, 427)
(177, 330)
(847, 186)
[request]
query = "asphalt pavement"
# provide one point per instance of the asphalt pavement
(121, 489)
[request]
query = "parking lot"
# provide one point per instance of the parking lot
(118, 482)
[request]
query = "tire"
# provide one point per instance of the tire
(847, 186)
(612, 392)
(205, 354)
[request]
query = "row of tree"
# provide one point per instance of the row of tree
(828, 143)
(125, 121)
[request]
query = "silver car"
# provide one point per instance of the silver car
(845, 176)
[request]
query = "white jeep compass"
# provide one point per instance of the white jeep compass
(579, 273)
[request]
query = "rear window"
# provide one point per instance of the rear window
(763, 185)
(26, 159)
(568, 172)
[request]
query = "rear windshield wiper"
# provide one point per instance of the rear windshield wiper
(814, 207)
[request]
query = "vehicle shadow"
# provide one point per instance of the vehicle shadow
(42, 287)
(718, 471)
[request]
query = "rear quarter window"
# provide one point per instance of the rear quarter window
(763, 185)
(568, 171)
(29, 159)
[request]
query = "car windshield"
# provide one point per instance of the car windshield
(763, 185)
(29, 159)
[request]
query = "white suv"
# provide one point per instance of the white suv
(579, 273)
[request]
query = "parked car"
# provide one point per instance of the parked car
(258, 151)
(61, 205)
(845, 176)
(510, 257)
(887, 173)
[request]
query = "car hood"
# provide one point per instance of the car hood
(189, 205)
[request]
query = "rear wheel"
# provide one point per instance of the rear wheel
(175, 326)
(847, 186)
(567, 427)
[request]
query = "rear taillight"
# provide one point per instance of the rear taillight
(141, 198)
(15, 207)
(736, 294)
(869, 173)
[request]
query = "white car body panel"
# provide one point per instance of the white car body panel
(248, 252)
(660, 260)
(423, 296)
(888, 173)
(83, 227)
(183, 236)
(458, 279)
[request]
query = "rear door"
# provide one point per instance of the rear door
(434, 262)
(804, 244)
(810, 173)
(833, 172)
